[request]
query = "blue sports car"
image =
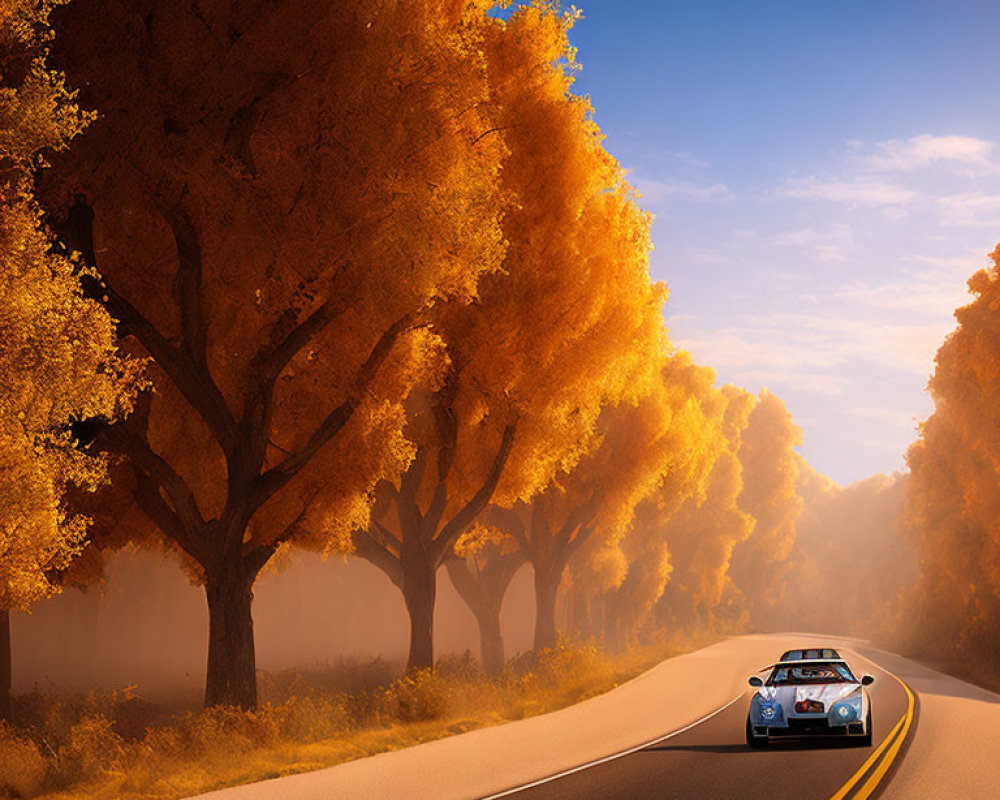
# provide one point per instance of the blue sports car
(807, 697)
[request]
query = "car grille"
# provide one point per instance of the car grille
(800, 727)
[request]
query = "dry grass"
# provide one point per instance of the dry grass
(106, 747)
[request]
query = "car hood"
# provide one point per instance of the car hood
(827, 694)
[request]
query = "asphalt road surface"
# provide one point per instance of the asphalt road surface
(711, 760)
(677, 732)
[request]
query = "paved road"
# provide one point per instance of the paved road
(711, 760)
(947, 747)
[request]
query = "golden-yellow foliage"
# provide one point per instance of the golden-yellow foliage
(770, 469)
(682, 450)
(278, 196)
(703, 533)
(952, 495)
(659, 450)
(569, 325)
(288, 159)
(58, 362)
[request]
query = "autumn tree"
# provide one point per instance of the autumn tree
(276, 194)
(58, 361)
(661, 440)
(484, 563)
(678, 435)
(770, 469)
(953, 500)
(564, 328)
(704, 532)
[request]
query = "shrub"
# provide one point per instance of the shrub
(22, 768)
(314, 717)
(418, 696)
(568, 663)
(92, 750)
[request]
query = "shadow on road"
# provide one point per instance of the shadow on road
(824, 744)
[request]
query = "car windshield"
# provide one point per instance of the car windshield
(814, 654)
(805, 674)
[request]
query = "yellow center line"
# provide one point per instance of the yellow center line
(892, 741)
(842, 792)
(890, 756)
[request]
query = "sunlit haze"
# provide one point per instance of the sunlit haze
(817, 215)
(470, 397)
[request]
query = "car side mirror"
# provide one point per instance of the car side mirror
(867, 680)
(755, 681)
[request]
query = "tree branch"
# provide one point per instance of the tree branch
(148, 498)
(188, 376)
(187, 284)
(578, 517)
(467, 514)
(256, 556)
(447, 428)
(280, 474)
(271, 359)
(583, 534)
(409, 482)
(509, 521)
(374, 552)
(126, 442)
(388, 539)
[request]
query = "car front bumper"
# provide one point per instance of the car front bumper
(809, 728)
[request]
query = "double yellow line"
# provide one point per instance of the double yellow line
(890, 746)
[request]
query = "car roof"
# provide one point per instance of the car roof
(805, 662)
(807, 653)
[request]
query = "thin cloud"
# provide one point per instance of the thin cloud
(885, 415)
(655, 192)
(854, 191)
(971, 209)
(925, 150)
(930, 293)
(826, 245)
(820, 383)
(813, 345)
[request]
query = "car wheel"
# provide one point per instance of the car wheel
(752, 739)
(866, 740)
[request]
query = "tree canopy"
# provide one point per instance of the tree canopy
(952, 497)
(275, 195)
(568, 325)
(58, 359)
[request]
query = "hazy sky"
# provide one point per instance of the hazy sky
(825, 179)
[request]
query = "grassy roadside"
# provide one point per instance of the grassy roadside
(99, 748)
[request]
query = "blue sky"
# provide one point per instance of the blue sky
(824, 178)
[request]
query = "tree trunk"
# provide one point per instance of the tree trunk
(419, 593)
(231, 678)
(483, 592)
(547, 579)
(612, 622)
(5, 670)
(491, 646)
(484, 597)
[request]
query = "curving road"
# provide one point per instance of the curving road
(677, 732)
(711, 759)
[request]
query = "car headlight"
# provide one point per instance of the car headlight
(844, 713)
(766, 711)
